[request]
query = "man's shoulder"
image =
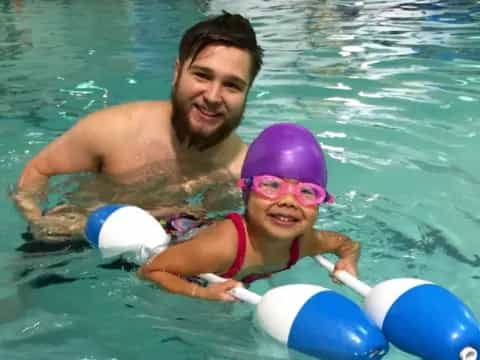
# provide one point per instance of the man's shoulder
(127, 116)
(239, 146)
(234, 153)
(143, 110)
(131, 110)
(148, 105)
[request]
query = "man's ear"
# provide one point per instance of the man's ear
(176, 73)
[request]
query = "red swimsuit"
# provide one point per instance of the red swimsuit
(242, 248)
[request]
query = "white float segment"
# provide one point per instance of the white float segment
(468, 353)
(238, 292)
(128, 227)
(357, 285)
(382, 296)
(291, 298)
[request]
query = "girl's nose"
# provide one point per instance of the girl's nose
(288, 199)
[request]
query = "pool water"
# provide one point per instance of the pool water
(390, 88)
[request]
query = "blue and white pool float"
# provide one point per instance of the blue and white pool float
(307, 318)
(419, 317)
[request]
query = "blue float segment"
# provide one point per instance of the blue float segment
(432, 323)
(330, 326)
(96, 220)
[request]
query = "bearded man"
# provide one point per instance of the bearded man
(190, 136)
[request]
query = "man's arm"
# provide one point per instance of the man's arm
(77, 150)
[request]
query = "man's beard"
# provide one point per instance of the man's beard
(198, 141)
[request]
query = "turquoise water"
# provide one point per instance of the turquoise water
(391, 89)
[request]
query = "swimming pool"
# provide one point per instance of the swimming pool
(391, 90)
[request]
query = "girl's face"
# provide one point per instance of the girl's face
(284, 215)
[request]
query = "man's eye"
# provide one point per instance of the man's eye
(201, 75)
(233, 86)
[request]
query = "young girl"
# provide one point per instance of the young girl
(283, 181)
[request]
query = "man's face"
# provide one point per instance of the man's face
(209, 95)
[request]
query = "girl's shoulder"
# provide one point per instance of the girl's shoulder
(221, 230)
(218, 241)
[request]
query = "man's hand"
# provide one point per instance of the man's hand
(163, 212)
(27, 204)
(63, 222)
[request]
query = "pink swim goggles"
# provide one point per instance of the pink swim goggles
(273, 188)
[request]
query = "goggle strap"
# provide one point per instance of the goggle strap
(329, 198)
(244, 183)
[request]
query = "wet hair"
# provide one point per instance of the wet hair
(226, 29)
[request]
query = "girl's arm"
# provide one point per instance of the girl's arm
(212, 250)
(341, 245)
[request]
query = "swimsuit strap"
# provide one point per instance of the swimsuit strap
(294, 253)
(242, 248)
(242, 245)
(294, 256)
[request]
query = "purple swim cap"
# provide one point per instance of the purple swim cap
(286, 150)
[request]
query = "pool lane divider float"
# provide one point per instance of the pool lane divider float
(308, 318)
(417, 316)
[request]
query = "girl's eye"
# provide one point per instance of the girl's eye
(270, 185)
(308, 191)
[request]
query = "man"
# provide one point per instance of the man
(216, 66)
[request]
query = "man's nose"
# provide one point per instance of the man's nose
(213, 93)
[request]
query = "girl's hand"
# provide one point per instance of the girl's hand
(220, 291)
(348, 264)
